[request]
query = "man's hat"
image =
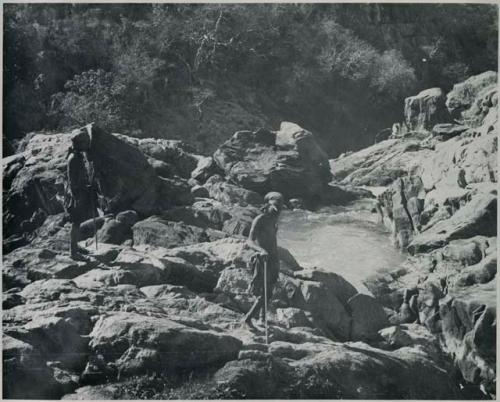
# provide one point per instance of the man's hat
(80, 136)
(275, 198)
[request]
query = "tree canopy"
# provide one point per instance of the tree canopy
(200, 72)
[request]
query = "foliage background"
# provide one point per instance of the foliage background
(200, 72)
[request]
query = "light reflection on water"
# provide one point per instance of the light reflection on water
(348, 241)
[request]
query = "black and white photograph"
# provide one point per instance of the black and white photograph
(249, 201)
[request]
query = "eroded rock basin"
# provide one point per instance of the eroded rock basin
(350, 241)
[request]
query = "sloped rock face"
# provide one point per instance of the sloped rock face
(426, 109)
(380, 164)
(478, 217)
(441, 206)
(465, 94)
(289, 161)
(460, 162)
(34, 188)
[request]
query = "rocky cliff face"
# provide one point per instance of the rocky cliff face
(441, 204)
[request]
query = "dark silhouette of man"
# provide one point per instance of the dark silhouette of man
(262, 238)
(82, 200)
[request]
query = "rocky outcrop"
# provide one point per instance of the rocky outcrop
(34, 188)
(289, 161)
(380, 164)
(151, 309)
(477, 217)
(163, 294)
(441, 205)
(426, 109)
(470, 93)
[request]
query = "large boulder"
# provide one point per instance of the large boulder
(205, 168)
(156, 231)
(199, 266)
(176, 156)
(366, 372)
(228, 193)
(289, 161)
(127, 179)
(368, 317)
(208, 213)
(327, 310)
(426, 109)
(337, 371)
(114, 231)
(137, 344)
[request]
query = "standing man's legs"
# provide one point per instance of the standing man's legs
(74, 237)
(258, 305)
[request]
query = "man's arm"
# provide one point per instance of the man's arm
(252, 236)
(73, 176)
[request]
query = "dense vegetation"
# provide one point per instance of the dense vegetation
(200, 72)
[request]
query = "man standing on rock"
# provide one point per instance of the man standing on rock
(262, 238)
(81, 194)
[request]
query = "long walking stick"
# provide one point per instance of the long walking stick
(93, 193)
(94, 219)
(265, 300)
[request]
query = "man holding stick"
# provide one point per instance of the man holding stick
(266, 266)
(81, 193)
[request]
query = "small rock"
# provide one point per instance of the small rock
(200, 191)
(128, 218)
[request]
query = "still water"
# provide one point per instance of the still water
(347, 240)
